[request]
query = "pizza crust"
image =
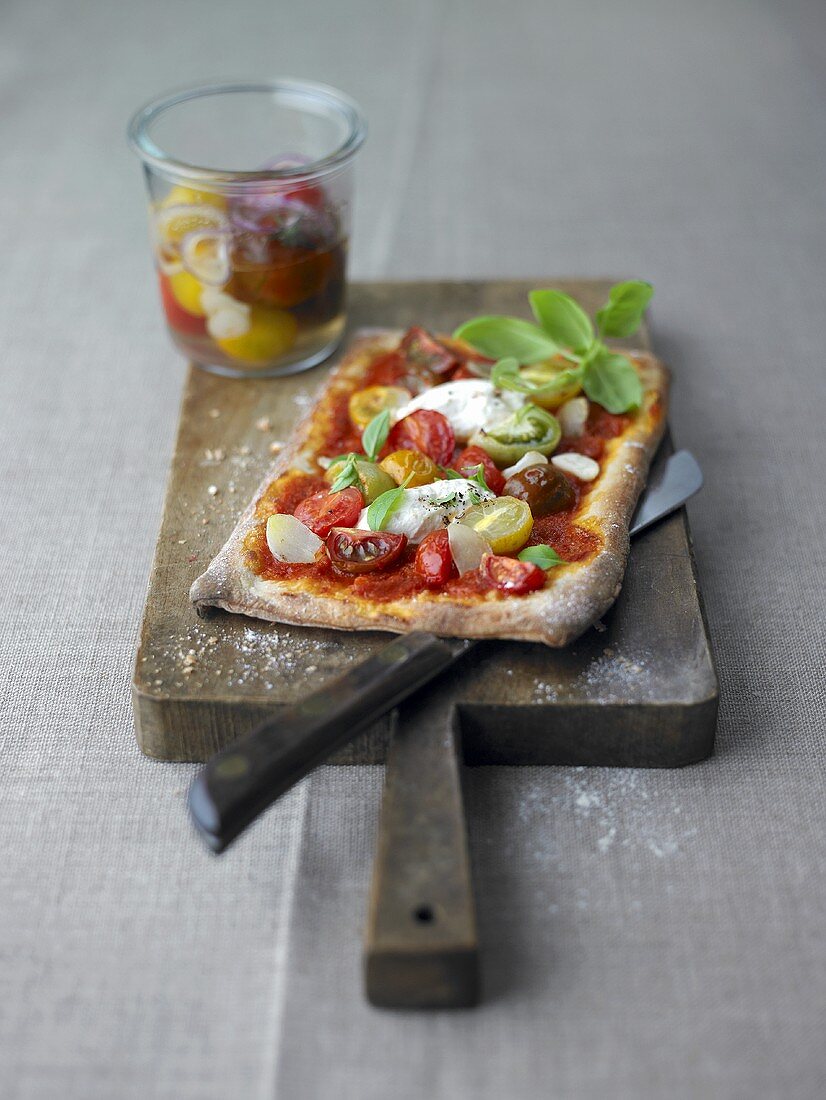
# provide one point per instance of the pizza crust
(576, 596)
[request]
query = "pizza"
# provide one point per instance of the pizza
(430, 488)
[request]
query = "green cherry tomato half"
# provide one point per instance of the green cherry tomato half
(374, 480)
(529, 429)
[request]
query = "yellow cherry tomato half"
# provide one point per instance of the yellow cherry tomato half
(270, 335)
(367, 403)
(186, 291)
(505, 522)
(410, 467)
(543, 374)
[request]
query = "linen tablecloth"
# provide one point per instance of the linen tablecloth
(646, 934)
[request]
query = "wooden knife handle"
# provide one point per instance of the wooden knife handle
(422, 948)
(240, 783)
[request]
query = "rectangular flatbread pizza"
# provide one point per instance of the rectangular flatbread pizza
(431, 489)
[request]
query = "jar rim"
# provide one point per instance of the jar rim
(169, 166)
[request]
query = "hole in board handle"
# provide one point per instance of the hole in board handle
(424, 915)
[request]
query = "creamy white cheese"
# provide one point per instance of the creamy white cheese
(429, 507)
(469, 404)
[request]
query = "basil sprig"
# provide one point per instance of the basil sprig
(348, 475)
(375, 435)
(543, 555)
(565, 330)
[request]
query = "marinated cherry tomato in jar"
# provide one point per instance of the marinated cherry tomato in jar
(289, 277)
(369, 402)
(505, 522)
(179, 318)
(511, 575)
(270, 333)
(471, 458)
(307, 193)
(424, 430)
(411, 468)
(544, 488)
(434, 561)
(354, 552)
(323, 511)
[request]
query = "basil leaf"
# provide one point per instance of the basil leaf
(562, 318)
(479, 477)
(507, 336)
(543, 555)
(348, 475)
(385, 505)
(612, 381)
(451, 475)
(375, 434)
(622, 313)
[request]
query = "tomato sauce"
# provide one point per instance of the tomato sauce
(392, 584)
(285, 494)
(600, 427)
(560, 532)
(341, 436)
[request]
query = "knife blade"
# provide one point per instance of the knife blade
(244, 779)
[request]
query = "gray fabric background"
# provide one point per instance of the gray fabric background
(647, 934)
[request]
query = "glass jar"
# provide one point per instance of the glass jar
(250, 191)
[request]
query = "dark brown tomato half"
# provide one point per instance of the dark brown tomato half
(544, 488)
(353, 552)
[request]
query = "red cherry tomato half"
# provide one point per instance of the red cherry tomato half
(323, 511)
(424, 430)
(510, 575)
(434, 561)
(177, 317)
(470, 459)
(355, 552)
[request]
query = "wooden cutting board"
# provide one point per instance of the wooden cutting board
(639, 691)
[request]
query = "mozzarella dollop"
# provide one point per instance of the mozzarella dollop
(470, 404)
(429, 507)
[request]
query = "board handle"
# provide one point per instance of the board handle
(240, 783)
(422, 946)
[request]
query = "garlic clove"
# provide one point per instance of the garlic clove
(576, 464)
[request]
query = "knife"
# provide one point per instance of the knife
(243, 780)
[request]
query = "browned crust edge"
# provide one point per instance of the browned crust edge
(576, 597)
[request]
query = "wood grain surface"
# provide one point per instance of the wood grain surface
(640, 690)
